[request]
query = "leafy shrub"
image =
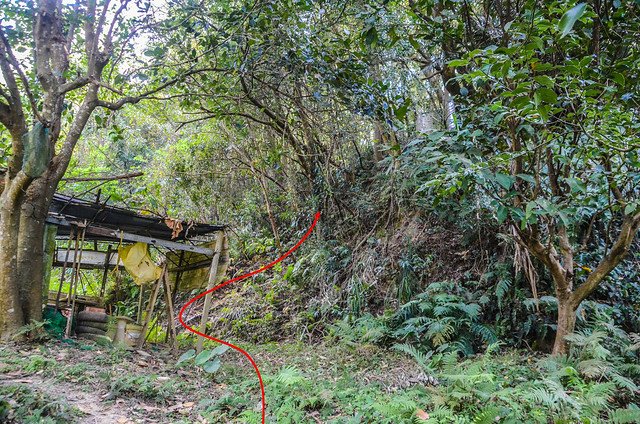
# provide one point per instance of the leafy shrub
(443, 318)
(208, 359)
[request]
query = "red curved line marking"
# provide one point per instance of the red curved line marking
(242, 277)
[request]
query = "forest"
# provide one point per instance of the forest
(319, 211)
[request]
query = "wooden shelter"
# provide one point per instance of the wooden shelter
(186, 247)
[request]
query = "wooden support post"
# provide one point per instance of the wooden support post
(105, 274)
(73, 266)
(150, 307)
(174, 293)
(171, 328)
(139, 313)
(49, 254)
(64, 271)
(213, 272)
(73, 289)
(178, 276)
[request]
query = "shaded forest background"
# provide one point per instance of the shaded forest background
(342, 108)
(475, 162)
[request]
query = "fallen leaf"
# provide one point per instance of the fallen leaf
(420, 413)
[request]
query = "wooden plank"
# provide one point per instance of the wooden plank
(213, 272)
(121, 235)
(91, 258)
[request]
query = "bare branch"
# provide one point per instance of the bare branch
(73, 85)
(72, 26)
(16, 65)
(617, 253)
(61, 161)
(116, 17)
(107, 178)
(135, 99)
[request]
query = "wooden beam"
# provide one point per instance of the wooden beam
(213, 272)
(118, 235)
(190, 267)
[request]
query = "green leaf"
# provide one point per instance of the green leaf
(212, 366)
(529, 209)
(401, 111)
(203, 357)
(576, 185)
(189, 354)
(630, 208)
(528, 178)
(544, 81)
(502, 213)
(569, 19)
(458, 62)
(545, 95)
(505, 180)
(220, 350)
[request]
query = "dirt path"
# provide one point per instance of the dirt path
(91, 404)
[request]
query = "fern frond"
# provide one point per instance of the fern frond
(623, 382)
(421, 358)
(489, 415)
(625, 416)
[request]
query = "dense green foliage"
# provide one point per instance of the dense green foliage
(476, 164)
(323, 106)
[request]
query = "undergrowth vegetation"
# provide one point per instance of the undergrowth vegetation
(475, 164)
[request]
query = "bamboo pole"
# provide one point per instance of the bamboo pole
(64, 271)
(150, 308)
(171, 328)
(139, 314)
(74, 288)
(213, 271)
(106, 271)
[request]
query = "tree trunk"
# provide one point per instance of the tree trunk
(566, 325)
(30, 269)
(11, 315)
(22, 220)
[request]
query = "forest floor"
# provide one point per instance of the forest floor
(86, 383)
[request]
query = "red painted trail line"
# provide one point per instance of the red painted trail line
(233, 280)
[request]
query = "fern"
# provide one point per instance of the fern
(398, 406)
(625, 416)
(290, 376)
(623, 382)
(485, 333)
(439, 332)
(502, 288)
(489, 415)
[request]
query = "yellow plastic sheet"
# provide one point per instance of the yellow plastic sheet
(138, 263)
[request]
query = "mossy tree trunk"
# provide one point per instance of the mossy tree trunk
(32, 103)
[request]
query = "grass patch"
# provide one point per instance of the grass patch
(20, 404)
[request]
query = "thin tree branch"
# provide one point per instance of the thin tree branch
(16, 65)
(107, 178)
